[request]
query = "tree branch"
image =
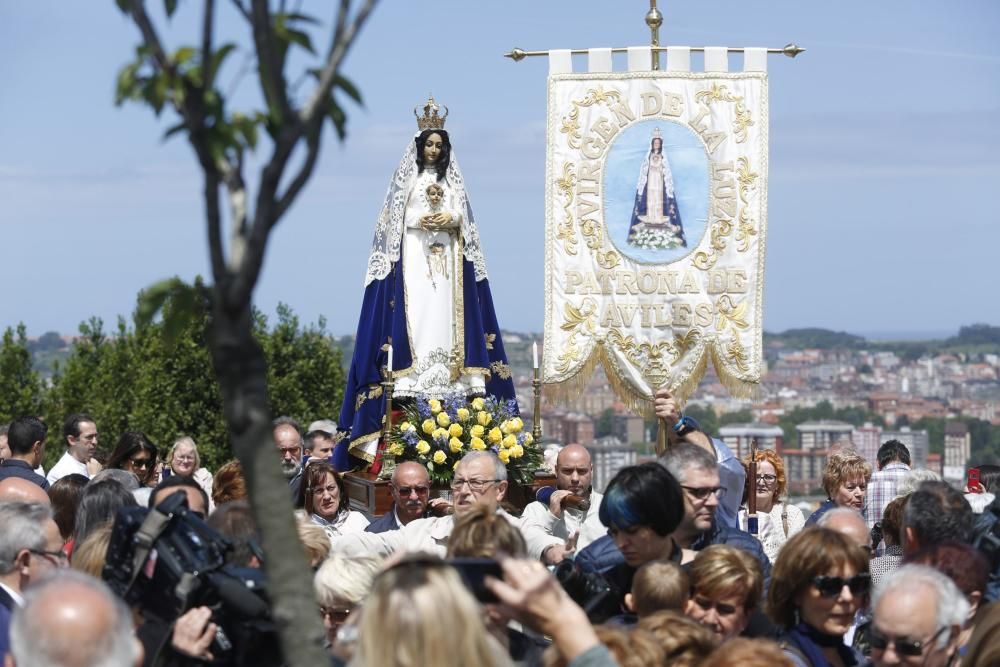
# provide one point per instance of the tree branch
(338, 49)
(313, 134)
(214, 226)
(207, 69)
(242, 10)
(272, 75)
(149, 36)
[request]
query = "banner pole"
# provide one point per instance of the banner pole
(654, 19)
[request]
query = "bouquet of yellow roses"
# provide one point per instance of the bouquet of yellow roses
(437, 433)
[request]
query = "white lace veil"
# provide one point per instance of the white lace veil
(389, 227)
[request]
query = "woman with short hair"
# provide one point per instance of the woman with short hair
(184, 461)
(726, 586)
(777, 519)
(845, 480)
(818, 584)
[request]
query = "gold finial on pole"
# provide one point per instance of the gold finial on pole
(654, 19)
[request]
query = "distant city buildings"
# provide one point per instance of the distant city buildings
(957, 450)
(609, 455)
(739, 437)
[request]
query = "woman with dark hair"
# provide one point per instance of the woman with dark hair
(325, 501)
(135, 453)
(818, 584)
(642, 506)
(99, 504)
(65, 496)
(427, 292)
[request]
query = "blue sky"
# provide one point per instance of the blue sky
(884, 156)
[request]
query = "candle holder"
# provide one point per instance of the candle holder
(387, 387)
(536, 383)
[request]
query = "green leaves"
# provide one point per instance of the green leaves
(177, 302)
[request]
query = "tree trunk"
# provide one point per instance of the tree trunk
(242, 372)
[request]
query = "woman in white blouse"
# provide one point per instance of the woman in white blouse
(324, 499)
(777, 520)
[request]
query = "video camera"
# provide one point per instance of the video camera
(166, 561)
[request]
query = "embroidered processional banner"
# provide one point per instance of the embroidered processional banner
(656, 212)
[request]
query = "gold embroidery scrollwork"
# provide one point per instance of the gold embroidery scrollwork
(564, 230)
(578, 322)
(373, 392)
(736, 354)
(594, 237)
(501, 370)
(720, 230)
(748, 182)
(730, 313)
(571, 121)
(489, 340)
(652, 359)
(742, 119)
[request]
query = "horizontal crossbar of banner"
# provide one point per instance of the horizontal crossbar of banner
(517, 55)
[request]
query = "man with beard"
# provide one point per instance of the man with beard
(288, 439)
(410, 488)
(554, 531)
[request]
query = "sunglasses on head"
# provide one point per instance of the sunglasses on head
(829, 587)
(903, 645)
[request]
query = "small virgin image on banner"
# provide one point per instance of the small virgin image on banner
(655, 226)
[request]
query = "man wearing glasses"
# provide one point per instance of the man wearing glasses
(30, 547)
(919, 614)
(410, 487)
(80, 436)
(480, 480)
(698, 474)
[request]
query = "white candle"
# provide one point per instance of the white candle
(389, 362)
(534, 354)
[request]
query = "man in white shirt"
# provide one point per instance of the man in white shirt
(480, 479)
(554, 532)
(80, 437)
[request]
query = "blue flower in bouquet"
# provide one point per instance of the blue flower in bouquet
(509, 409)
(521, 437)
(423, 406)
(491, 404)
(452, 403)
(410, 437)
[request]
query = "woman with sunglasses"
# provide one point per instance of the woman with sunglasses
(818, 584)
(136, 453)
(777, 519)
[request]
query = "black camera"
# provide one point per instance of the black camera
(600, 598)
(167, 560)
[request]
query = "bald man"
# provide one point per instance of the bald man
(74, 620)
(554, 532)
(21, 490)
(851, 524)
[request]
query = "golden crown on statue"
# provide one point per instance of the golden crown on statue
(431, 120)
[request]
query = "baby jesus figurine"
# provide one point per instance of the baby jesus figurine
(436, 220)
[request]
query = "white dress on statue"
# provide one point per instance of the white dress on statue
(433, 276)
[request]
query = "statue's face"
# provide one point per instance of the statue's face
(432, 148)
(657, 144)
(434, 195)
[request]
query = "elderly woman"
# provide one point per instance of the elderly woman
(325, 501)
(726, 586)
(818, 584)
(777, 520)
(184, 461)
(341, 585)
(845, 480)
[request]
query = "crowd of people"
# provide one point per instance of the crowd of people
(666, 567)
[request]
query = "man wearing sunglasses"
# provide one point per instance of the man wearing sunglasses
(480, 481)
(919, 614)
(410, 487)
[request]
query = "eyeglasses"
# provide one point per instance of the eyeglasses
(405, 491)
(186, 457)
(476, 485)
(141, 463)
(829, 587)
(767, 479)
(703, 492)
(903, 645)
(336, 614)
(57, 557)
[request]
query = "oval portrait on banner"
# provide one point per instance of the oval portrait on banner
(656, 192)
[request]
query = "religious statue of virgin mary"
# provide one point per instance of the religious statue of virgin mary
(426, 295)
(656, 220)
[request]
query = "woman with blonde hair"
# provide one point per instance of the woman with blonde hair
(420, 613)
(184, 461)
(777, 520)
(845, 480)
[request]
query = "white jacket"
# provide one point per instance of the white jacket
(542, 529)
(427, 535)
